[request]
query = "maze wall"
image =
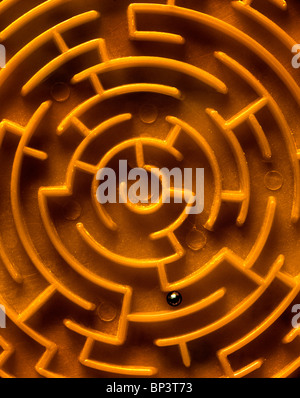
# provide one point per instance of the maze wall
(186, 83)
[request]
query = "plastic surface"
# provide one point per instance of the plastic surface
(87, 288)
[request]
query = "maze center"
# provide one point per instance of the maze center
(149, 289)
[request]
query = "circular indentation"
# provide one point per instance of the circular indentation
(174, 299)
(72, 210)
(60, 92)
(273, 180)
(148, 113)
(196, 239)
(107, 312)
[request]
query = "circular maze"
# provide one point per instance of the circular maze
(95, 290)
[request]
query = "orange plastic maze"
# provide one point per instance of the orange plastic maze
(149, 189)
